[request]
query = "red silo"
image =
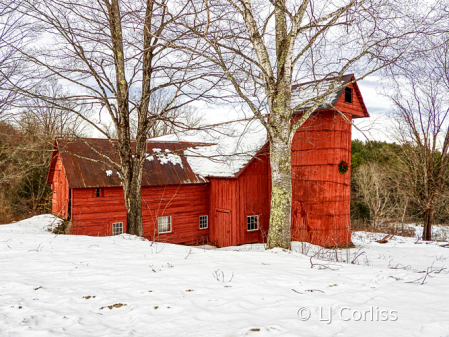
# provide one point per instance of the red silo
(321, 174)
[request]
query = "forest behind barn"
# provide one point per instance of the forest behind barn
(381, 197)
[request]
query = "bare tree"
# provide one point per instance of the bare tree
(180, 119)
(421, 101)
(14, 32)
(373, 189)
(53, 117)
(27, 140)
(116, 55)
(262, 47)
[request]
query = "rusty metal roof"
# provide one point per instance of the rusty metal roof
(84, 163)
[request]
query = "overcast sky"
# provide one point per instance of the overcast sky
(378, 126)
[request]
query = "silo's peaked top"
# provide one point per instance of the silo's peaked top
(305, 95)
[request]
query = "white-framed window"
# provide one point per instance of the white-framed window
(117, 228)
(164, 224)
(203, 221)
(252, 222)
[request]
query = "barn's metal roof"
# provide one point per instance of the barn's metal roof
(84, 163)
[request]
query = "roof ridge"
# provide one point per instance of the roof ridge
(321, 80)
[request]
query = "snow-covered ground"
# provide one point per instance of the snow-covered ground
(63, 285)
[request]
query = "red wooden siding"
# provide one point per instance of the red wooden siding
(321, 194)
(254, 198)
(184, 203)
(93, 215)
(232, 200)
(356, 107)
(60, 187)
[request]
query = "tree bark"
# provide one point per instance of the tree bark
(281, 195)
(131, 164)
(133, 202)
(427, 232)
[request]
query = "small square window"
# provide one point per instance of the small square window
(203, 221)
(98, 192)
(164, 224)
(348, 95)
(117, 228)
(252, 222)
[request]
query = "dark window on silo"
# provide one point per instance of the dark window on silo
(348, 95)
(98, 192)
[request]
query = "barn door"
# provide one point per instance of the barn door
(56, 202)
(223, 228)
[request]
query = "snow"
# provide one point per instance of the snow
(232, 146)
(64, 285)
(109, 173)
(304, 92)
(168, 157)
(165, 157)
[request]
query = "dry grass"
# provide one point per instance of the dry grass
(386, 227)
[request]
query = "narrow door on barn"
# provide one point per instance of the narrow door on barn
(58, 202)
(223, 227)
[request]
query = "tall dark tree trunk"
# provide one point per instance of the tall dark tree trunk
(428, 218)
(131, 164)
(133, 202)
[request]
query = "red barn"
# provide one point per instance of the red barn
(214, 186)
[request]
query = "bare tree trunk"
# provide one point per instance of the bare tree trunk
(280, 138)
(131, 166)
(133, 202)
(281, 195)
(427, 232)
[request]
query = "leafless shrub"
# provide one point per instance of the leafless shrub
(219, 275)
(387, 227)
(429, 273)
(333, 256)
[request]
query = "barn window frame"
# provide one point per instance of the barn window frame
(348, 95)
(204, 221)
(251, 221)
(117, 228)
(159, 224)
(98, 192)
